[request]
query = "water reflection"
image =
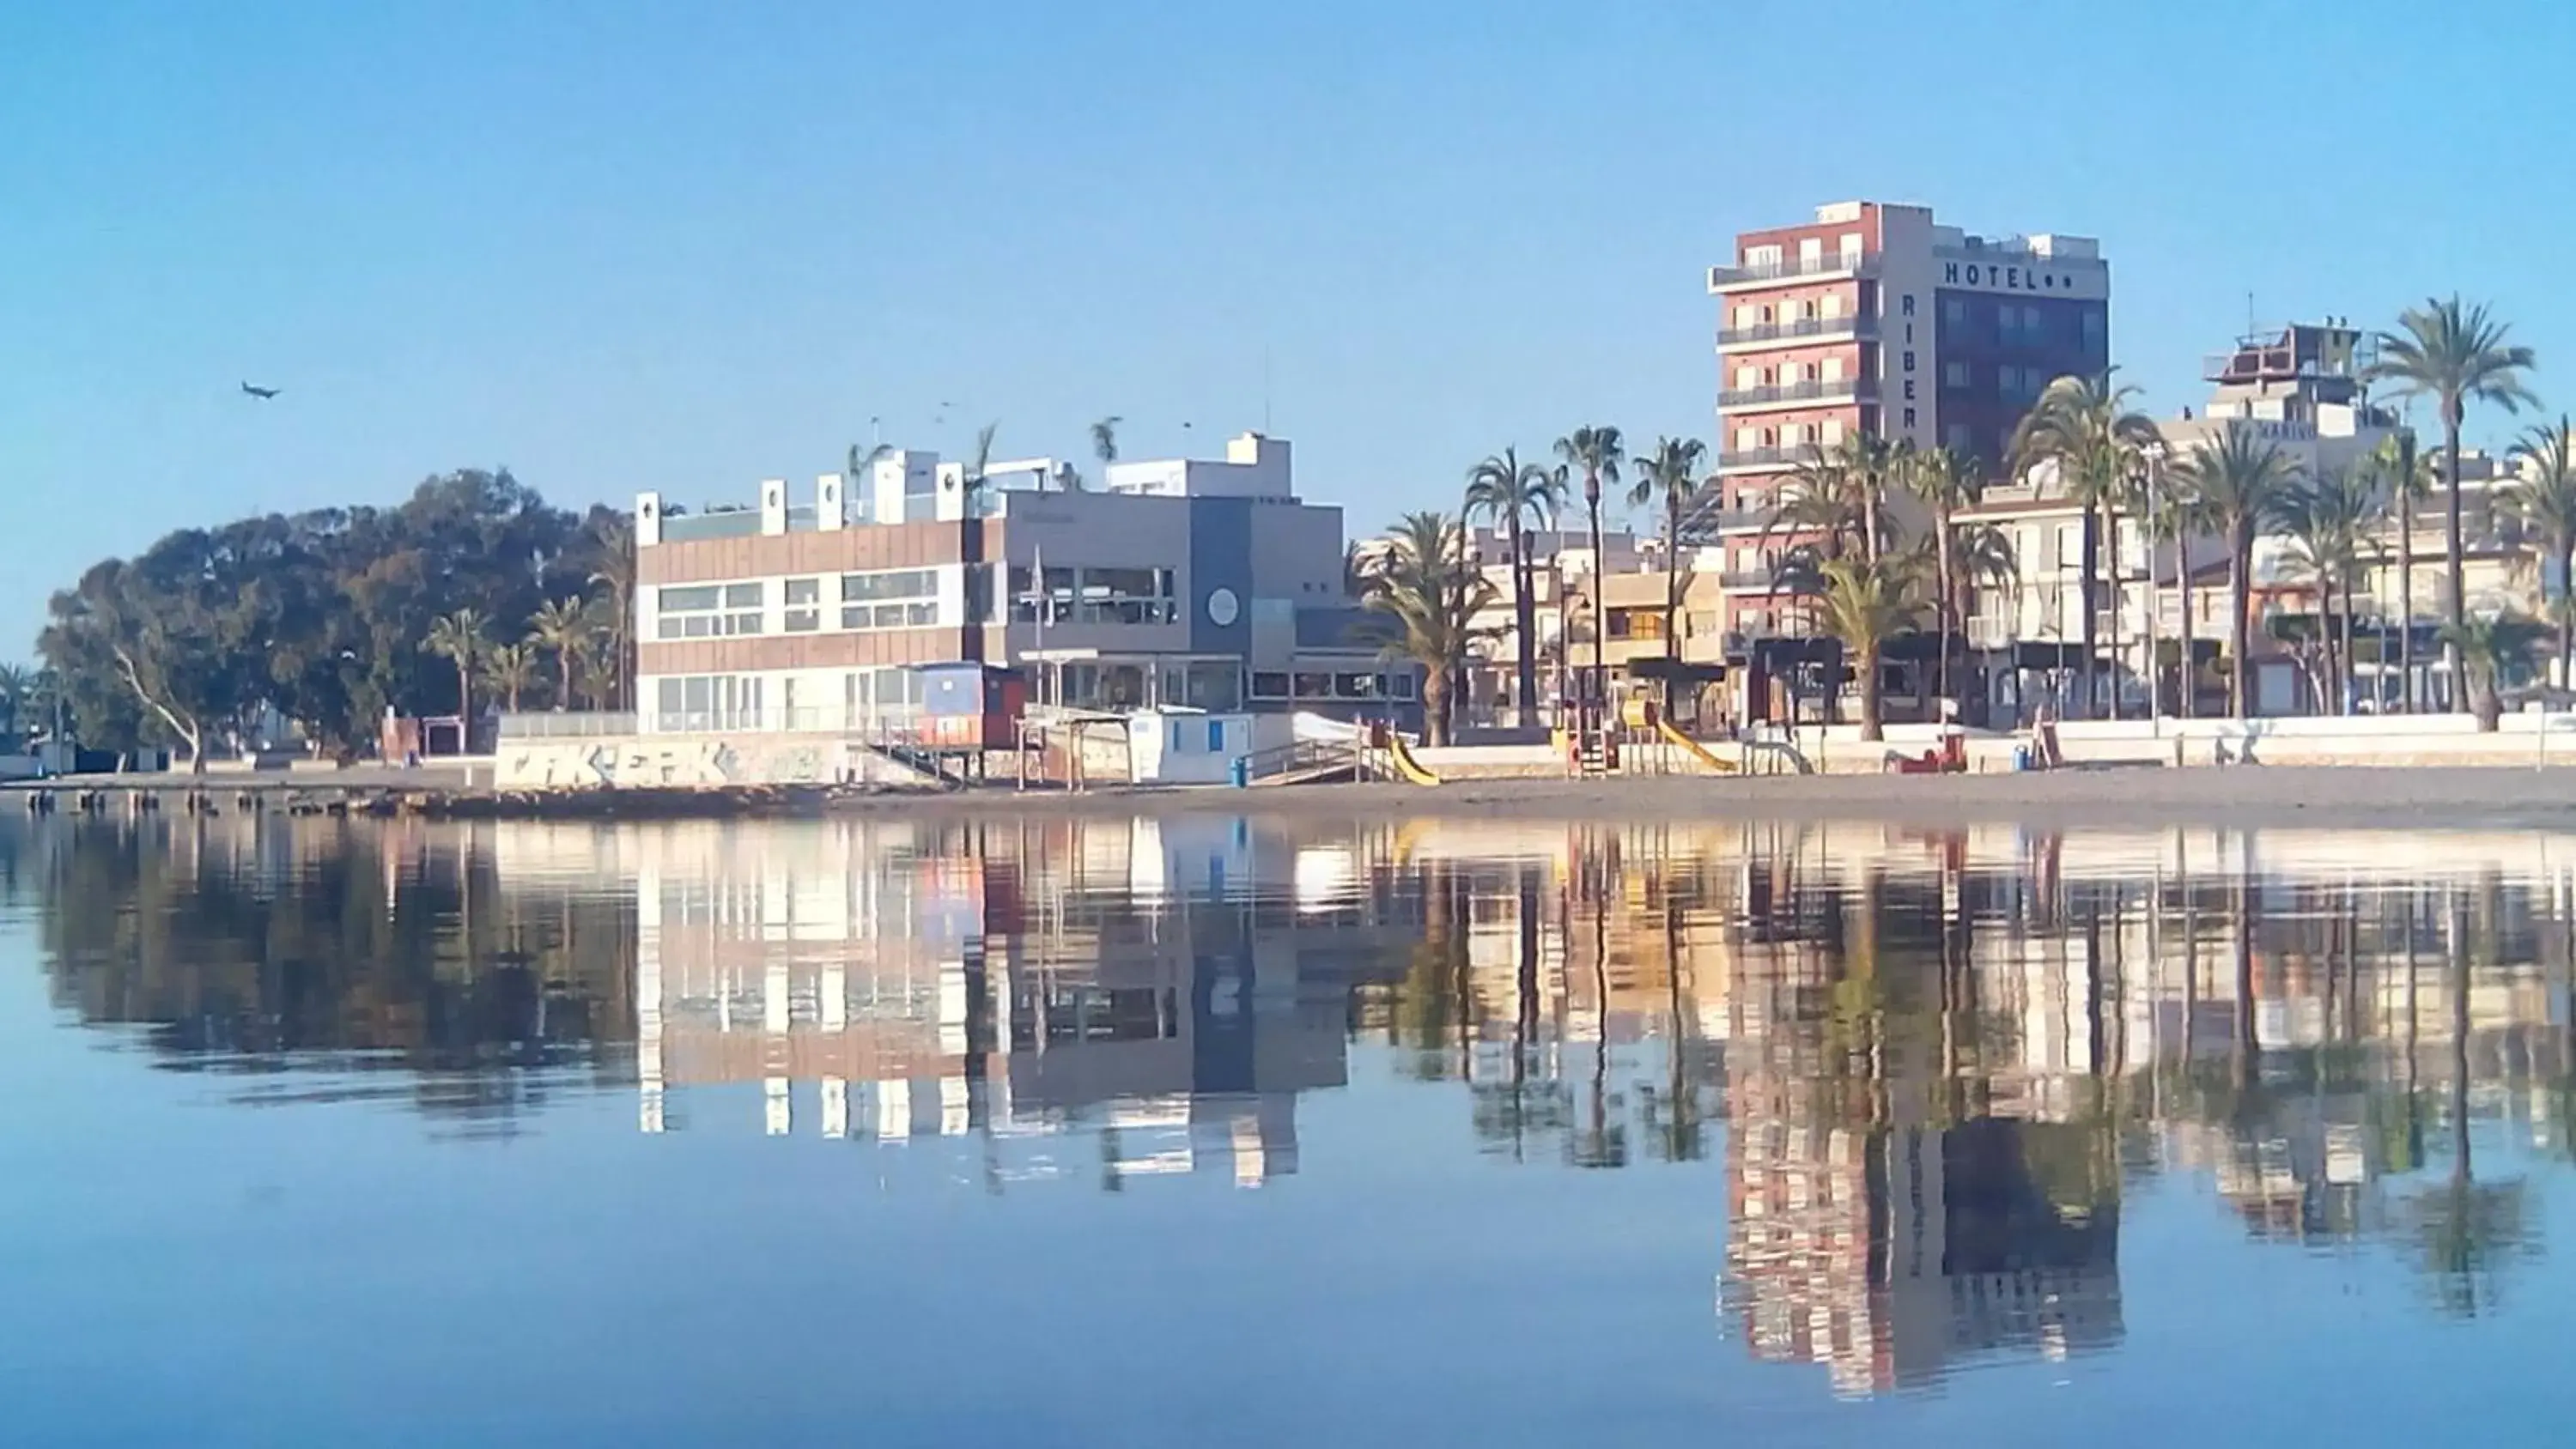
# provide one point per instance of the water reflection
(1932, 1068)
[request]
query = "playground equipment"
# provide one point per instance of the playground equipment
(1400, 754)
(1692, 747)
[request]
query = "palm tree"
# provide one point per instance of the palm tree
(1864, 603)
(1516, 495)
(2241, 484)
(1947, 481)
(2455, 355)
(2485, 645)
(508, 670)
(559, 627)
(856, 470)
(2545, 498)
(2084, 426)
(1597, 452)
(17, 682)
(1670, 476)
(1425, 582)
(459, 639)
(2329, 521)
(2407, 475)
(1104, 446)
(613, 538)
(2180, 516)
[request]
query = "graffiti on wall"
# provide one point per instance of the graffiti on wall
(679, 762)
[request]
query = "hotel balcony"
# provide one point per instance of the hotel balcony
(1821, 392)
(1761, 460)
(1827, 264)
(1805, 329)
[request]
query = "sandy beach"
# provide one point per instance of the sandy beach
(2307, 797)
(2310, 797)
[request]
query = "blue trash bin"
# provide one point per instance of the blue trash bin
(1240, 771)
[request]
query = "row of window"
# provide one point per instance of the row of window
(2016, 323)
(1782, 374)
(1805, 309)
(1790, 435)
(1279, 684)
(2012, 383)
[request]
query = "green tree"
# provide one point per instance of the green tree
(1518, 496)
(2179, 516)
(2329, 520)
(459, 639)
(508, 671)
(2488, 646)
(1947, 482)
(1864, 603)
(2456, 355)
(2241, 485)
(1596, 452)
(2085, 428)
(611, 539)
(2407, 476)
(1104, 445)
(17, 682)
(2544, 497)
(1427, 585)
(561, 627)
(1668, 480)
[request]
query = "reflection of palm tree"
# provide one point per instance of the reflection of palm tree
(2466, 1229)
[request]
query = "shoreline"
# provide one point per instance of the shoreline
(2340, 796)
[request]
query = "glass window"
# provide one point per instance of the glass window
(804, 591)
(804, 621)
(742, 623)
(676, 601)
(744, 596)
(1954, 311)
(1268, 685)
(669, 693)
(1355, 686)
(1402, 685)
(1314, 686)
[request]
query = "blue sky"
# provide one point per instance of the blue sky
(686, 246)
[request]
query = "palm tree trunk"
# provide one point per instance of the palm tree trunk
(2187, 671)
(2239, 635)
(2406, 595)
(2458, 609)
(2111, 546)
(1869, 707)
(2344, 703)
(1672, 595)
(563, 678)
(1525, 621)
(2088, 583)
(1600, 610)
(2459, 952)
(1941, 541)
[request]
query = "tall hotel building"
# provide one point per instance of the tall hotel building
(1874, 318)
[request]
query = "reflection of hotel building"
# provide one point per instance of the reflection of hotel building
(878, 982)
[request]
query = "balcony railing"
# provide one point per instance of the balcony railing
(1823, 265)
(1762, 457)
(1820, 390)
(1760, 578)
(1852, 325)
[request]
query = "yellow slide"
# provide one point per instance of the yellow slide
(1405, 764)
(1665, 728)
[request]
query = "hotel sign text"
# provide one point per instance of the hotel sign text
(2035, 277)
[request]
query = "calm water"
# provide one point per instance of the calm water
(1231, 1132)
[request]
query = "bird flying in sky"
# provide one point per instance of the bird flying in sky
(259, 392)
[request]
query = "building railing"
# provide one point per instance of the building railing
(693, 527)
(1761, 578)
(860, 721)
(1818, 390)
(567, 724)
(1824, 264)
(1762, 457)
(1852, 324)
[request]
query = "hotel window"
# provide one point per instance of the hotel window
(1807, 372)
(1959, 437)
(1811, 250)
(1748, 377)
(2093, 324)
(1832, 432)
(2031, 322)
(895, 599)
(1954, 374)
(804, 596)
(1851, 248)
(1746, 316)
(1807, 310)
(1833, 369)
(1748, 439)
(2007, 382)
(1833, 304)
(1954, 311)
(707, 611)
(1792, 434)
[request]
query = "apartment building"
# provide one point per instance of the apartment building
(1875, 319)
(1191, 583)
